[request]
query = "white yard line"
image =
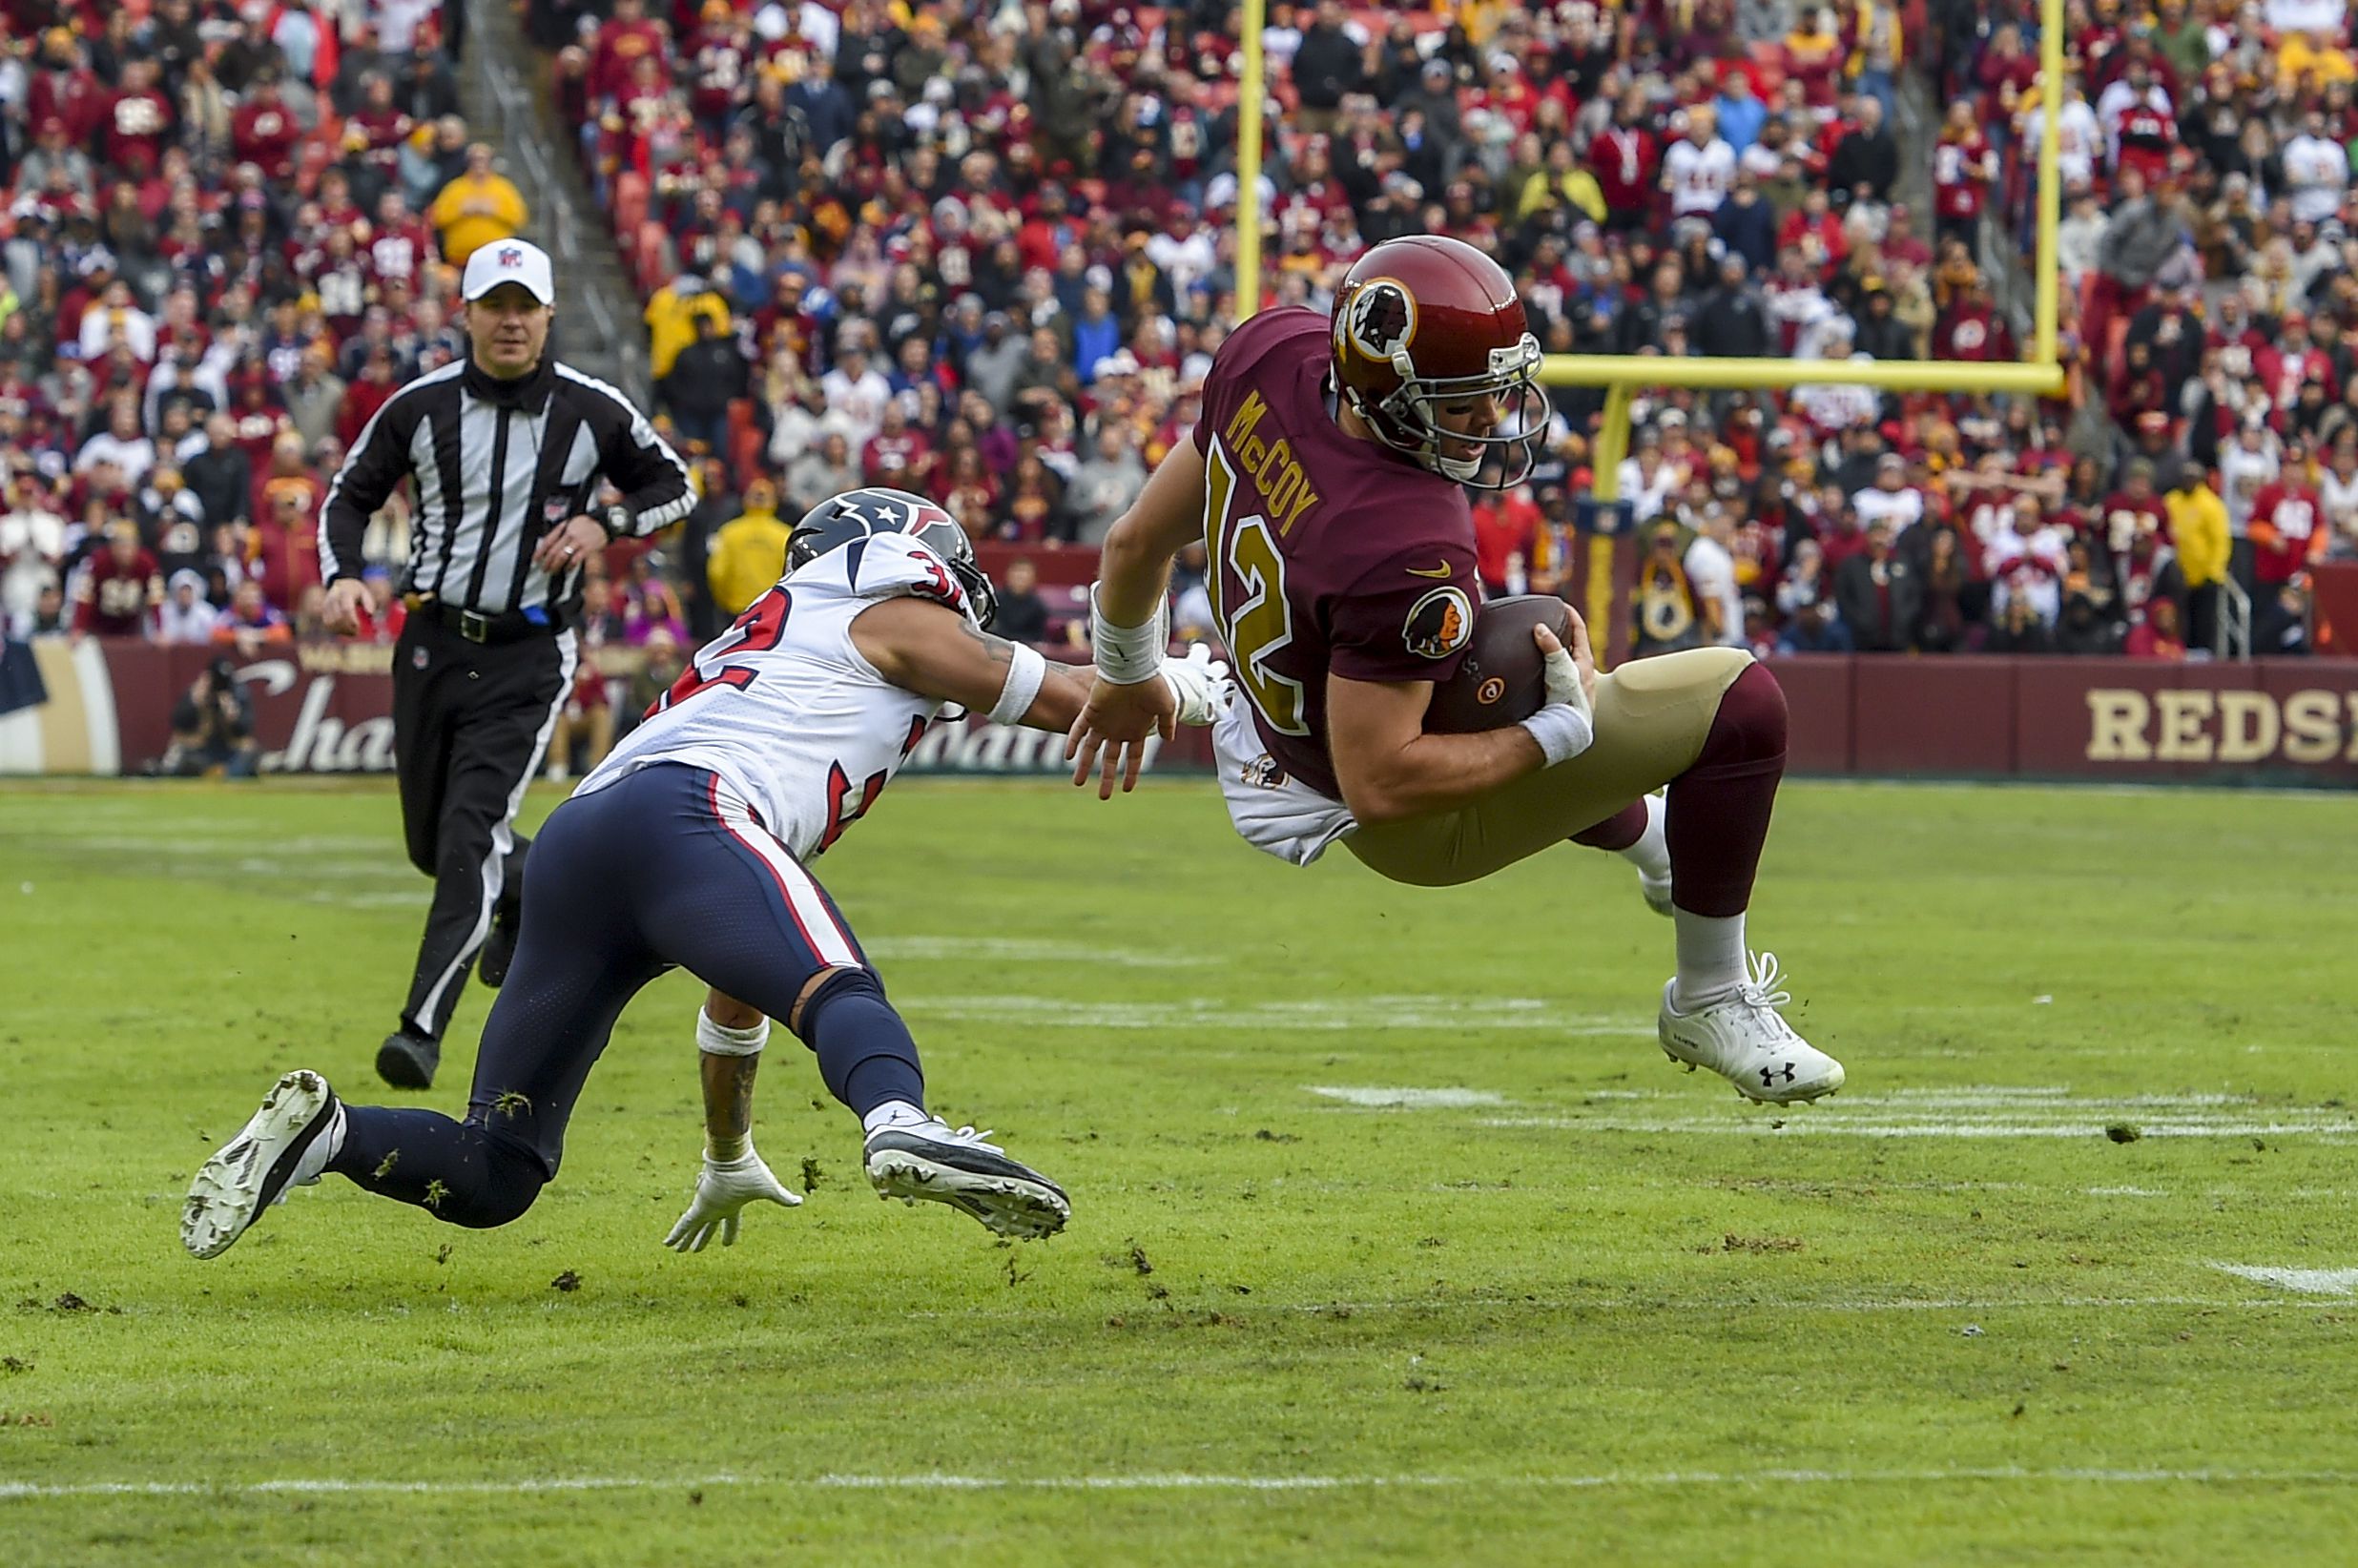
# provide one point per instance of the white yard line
(1803, 1122)
(940, 1481)
(2313, 1282)
(1406, 1098)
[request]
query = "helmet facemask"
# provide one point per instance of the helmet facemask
(949, 541)
(1408, 420)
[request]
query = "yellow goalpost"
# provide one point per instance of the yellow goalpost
(2041, 374)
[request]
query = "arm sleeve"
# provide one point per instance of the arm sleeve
(376, 463)
(1404, 622)
(639, 462)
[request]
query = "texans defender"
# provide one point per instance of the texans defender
(687, 846)
(1324, 480)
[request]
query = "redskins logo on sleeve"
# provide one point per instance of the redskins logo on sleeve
(1439, 623)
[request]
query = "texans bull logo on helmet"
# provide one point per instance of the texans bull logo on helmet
(847, 520)
(1439, 623)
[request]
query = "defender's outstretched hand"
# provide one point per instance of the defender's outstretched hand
(1114, 725)
(722, 1192)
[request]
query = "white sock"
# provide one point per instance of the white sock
(719, 1039)
(323, 1148)
(1651, 853)
(893, 1113)
(1710, 959)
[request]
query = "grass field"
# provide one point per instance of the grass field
(1395, 1237)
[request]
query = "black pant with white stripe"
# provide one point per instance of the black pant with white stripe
(470, 722)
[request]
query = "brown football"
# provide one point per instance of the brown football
(1502, 680)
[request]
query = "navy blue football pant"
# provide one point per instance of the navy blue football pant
(663, 868)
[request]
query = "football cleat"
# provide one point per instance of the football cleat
(499, 946)
(287, 1143)
(408, 1060)
(1745, 1040)
(963, 1170)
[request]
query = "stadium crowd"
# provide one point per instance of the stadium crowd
(985, 251)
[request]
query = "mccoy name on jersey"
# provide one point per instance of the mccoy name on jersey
(784, 708)
(1327, 553)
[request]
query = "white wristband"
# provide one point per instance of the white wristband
(1025, 671)
(1127, 655)
(1562, 730)
(714, 1040)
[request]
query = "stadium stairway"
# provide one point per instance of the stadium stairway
(599, 328)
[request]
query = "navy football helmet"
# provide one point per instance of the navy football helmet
(859, 514)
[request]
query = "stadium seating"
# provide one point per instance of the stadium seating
(952, 127)
(1762, 497)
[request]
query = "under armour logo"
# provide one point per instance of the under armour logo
(1769, 1075)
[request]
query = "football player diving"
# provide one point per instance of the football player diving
(689, 847)
(1325, 479)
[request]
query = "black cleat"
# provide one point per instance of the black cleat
(408, 1060)
(499, 947)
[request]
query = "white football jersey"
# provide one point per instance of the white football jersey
(785, 708)
(1699, 177)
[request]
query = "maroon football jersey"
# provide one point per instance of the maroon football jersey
(1328, 554)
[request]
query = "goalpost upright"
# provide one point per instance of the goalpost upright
(2041, 374)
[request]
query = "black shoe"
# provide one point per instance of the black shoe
(408, 1060)
(499, 947)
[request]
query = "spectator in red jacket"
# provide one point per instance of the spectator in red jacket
(623, 40)
(2287, 522)
(1625, 157)
(262, 132)
(139, 122)
(121, 589)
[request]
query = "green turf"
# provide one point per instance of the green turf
(1608, 1315)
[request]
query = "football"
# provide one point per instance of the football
(1502, 680)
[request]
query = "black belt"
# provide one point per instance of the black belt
(511, 626)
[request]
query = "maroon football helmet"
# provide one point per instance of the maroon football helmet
(1426, 320)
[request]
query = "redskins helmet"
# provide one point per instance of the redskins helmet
(1426, 320)
(859, 514)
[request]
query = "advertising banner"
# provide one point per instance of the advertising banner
(326, 707)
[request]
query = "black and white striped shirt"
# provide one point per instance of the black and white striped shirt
(493, 465)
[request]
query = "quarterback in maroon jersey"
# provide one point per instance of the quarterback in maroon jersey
(1325, 479)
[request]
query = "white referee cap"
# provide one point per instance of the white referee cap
(509, 262)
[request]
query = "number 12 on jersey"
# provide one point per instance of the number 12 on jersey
(1249, 596)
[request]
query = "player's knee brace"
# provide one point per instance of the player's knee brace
(863, 1049)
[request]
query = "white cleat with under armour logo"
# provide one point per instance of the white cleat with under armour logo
(287, 1143)
(1745, 1040)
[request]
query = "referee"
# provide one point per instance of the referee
(504, 451)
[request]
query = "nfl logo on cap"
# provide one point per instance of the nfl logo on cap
(510, 261)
